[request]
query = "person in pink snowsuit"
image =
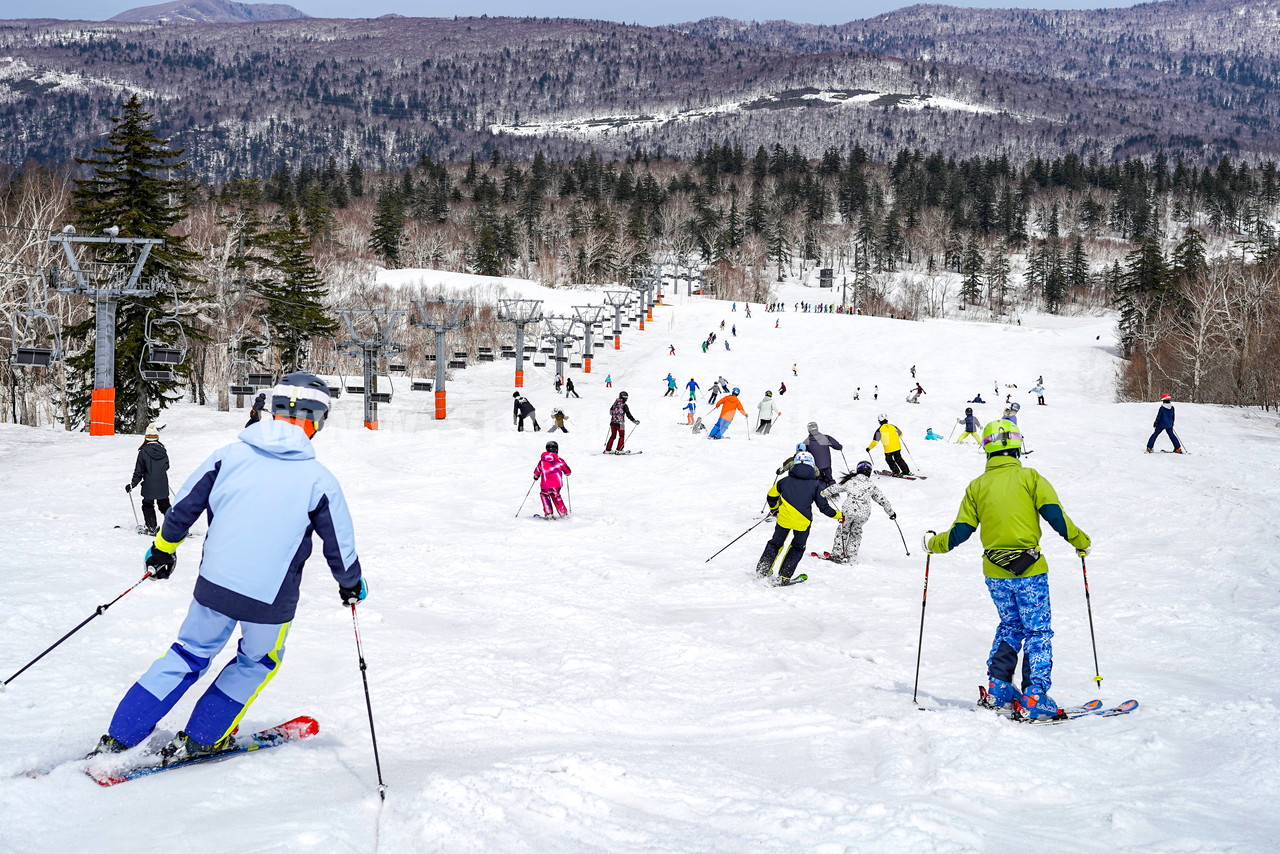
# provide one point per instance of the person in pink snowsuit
(551, 469)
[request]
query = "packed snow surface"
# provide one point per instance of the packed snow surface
(595, 684)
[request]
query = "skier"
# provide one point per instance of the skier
(913, 396)
(766, 411)
(932, 436)
(671, 349)
(1162, 424)
(250, 571)
(729, 406)
(698, 426)
(875, 394)
(977, 398)
(558, 416)
(913, 372)
(255, 411)
(521, 409)
(608, 380)
(558, 383)
(857, 393)
(689, 409)
(858, 492)
(891, 437)
(569, 389)
(152, 471)
(1038, 390)
(619, 412)
(734, 330)
(550, 468)
(791, 502)
(1011, 412)
(714, 393)
(819, 445)
(776, 322)
(1007, 501)
(671, 386)
(970, 422)
(692, 386)
(793, 370)
(726, 343)
(782, 388)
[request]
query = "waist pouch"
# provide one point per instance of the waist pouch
(1014, 561)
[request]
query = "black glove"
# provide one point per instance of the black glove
(354, 594)
(128, 487)
(893, 516)
(160, 564)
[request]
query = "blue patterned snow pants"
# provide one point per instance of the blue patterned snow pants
(1025, 626)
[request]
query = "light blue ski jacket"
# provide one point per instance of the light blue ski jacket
(264, 495)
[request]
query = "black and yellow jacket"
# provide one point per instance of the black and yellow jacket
(793, 497)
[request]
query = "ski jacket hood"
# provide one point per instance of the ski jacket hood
(279, 439)
(550, 469)
(793, 497)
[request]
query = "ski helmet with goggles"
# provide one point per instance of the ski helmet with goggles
(1001, 436)
(737, 391)
(303, 399)
(968, 410)
(622, 395)
(803, 457)
(1015, 406)
(553, 446)
(884, 419)
(863, 467)
(768, 394)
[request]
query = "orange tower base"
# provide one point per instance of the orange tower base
(617, 342)
(586, 364)
(440, 405)
(519, 379)
(102, 412)
(371, 425)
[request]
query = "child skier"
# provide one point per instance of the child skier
(558, 416)
(1162, 424)
(1007, 501)
(619, 413)
(858, 492)
(689, 409)
(791, 502)
(152, 471)
(550, 468)
(970, 422)
(932, 436)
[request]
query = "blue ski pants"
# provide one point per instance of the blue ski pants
(722, 427)
(218, 712)
(1025, 627)
(1151, 443)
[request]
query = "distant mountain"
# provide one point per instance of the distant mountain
(208, 12)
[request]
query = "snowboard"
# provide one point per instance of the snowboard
(294, 730)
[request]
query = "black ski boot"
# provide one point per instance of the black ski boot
(183, 747)
(107, 744)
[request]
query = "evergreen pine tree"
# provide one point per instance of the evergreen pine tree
(131, 188)
(388, 225)
(971, 267)
(293, 292)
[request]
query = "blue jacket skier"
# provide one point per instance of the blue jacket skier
(264, 495)
(1164, 424)
(791, 500)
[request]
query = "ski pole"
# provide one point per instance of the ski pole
(96, 613)
(134, 506)
(526, 498)
(846, 460)
(904, 539)
(1097, 678)
(766, 497)
(924, 599)
(735, 539)
(382, 787)
(568, 492)
(952, 433)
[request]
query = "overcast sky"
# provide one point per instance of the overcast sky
(650, 13)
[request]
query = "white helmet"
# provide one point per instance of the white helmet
(803, 457)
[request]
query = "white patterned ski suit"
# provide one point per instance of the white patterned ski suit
(857, 496)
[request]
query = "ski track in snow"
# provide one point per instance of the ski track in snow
(593, 684)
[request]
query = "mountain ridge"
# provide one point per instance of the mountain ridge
(208, 12)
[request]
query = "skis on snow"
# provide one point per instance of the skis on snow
(294, 730)
(903, 476)
(1093, 708)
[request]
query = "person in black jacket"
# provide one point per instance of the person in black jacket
(522, 409)
(820, 444)
(255, 412)
(152, 471)
(791, 500)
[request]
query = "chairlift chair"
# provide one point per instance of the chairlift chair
(24, 352)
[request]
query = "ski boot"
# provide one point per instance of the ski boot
(1149, 451)
(183, 747)
(1036, 704)
(998, 695)
(107, 744)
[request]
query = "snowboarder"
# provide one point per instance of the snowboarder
(550, 468)
(791, 502)
(1007, 501)
(970, 422)
(729, 406)
(819, 444)
(569, 389)
(891, 438)
(152, 471)
(521, 409)
(977, 398)
(619, 413)
(250, 572)
(766, 411)
(914, 395)
(558, 416)
(671, 386)
(692, 386)
(858, 492)
(782, 388)
(255, 411)
(1162, 424)
(1038, 391)
(689, 409)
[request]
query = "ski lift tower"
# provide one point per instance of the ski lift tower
(370, 331)
(588, 316)
(442, 316)
(105, 296)
(521, 312)
(619, 301)
(641, 288)
(560, 330)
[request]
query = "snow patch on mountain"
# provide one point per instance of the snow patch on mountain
(19, 79)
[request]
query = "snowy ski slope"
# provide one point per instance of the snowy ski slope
(593, 684)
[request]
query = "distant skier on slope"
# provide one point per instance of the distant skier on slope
(766, 411)
(151, 469)
(521, 409)
(690, 409)
(891, 438)
(1007, 501)
(791, 501)
(729, 406)
(250, 571)
(1164, 424)
(558, 416)
(619, 414)
(550, 469)
(858, 492)
(671, 386)
(692, 386)
(819, 444)
(255, 411)
(970, 422)
(1038, 391)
